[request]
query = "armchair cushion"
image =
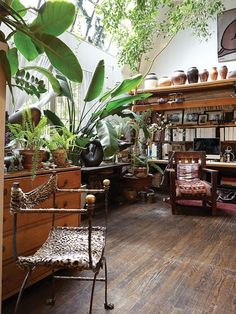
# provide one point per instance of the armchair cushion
(187, 171)
(195, 187)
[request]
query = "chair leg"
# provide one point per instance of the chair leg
(107, 306)
(22, 289)
(92, 292)
(51, 301)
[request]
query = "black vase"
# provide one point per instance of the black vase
(92, 155)
(192, 75)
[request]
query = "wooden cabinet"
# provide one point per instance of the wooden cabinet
(32, 229)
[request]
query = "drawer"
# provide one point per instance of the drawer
(27, 220)
(29, 240)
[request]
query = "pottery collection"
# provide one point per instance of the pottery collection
(192, 75)
(178, 77)
(150, 81)
(164, 81)
(232, 74)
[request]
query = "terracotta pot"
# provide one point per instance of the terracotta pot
(223, 71)
(60, 157)
(232, 74)
(164, 81)
(192, 75)
(141, 172)
(27, 158)
(213, 73)
(150, 81)
(178, 77)
(203, 75)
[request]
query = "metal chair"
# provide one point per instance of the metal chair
(188, 181)
(80, 248)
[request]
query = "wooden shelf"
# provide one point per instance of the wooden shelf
(196, 126)
(198, 95)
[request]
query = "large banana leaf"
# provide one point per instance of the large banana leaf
(13, 60)
(25, 45)
(124, 87)
(54, 17)
(65, 88)
(108, 137)
(96, 85)
(53, 81)
(115, 106)
(62, 58)
(18, 6)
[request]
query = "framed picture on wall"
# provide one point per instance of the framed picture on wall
(190, 117)
(174, 116)
(202, 119)
(226, 26)
(215, 116)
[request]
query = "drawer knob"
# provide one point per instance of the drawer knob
(64, 184)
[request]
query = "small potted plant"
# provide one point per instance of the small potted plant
(30, 139)
(61, 141)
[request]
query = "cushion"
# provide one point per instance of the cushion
(187, 171)
(194, 188)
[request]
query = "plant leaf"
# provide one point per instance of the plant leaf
(53, 81)
(53, 118)
(62, 58)
(5, 66)
(117, 105)
(25, 45)
(65, 88)
(108, 137)
(19, 7)
(13, 60)
(96, 85)
(54, 17)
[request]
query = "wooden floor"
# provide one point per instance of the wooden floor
(158, 263)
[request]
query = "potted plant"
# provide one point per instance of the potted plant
(110, 103)
(61, 140)
(30, 139)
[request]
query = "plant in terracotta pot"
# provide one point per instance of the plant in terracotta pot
(61, 140)
(30, 140)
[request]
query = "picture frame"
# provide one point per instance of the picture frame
(190, 118)
(215, 116)
(174, 116)
(202, 119)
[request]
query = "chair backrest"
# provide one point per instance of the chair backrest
(188, 165)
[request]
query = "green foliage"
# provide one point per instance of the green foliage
(135, 25)
(39, 36)
(61, 138)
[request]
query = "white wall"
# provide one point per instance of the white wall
(186, 51)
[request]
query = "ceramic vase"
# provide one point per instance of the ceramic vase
(213, 73)
(223, 71)
(203, 75)
(232, 74)
(150, 81)
(192, 75)
(164, 81)
(178, 77)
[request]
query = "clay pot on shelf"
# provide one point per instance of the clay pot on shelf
(213, 73)
(232, 74)
(223, 71)
(178, 77)
(192, 75)
(203, 75)
(164, 81)
(60, 157)
(150, 81)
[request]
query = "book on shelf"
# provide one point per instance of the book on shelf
(230, 133)
(206, 132)
(189, 135)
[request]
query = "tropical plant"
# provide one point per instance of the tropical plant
(112, 102)
(135, 25)
(61, 138)
(29, 136)
(34, 38)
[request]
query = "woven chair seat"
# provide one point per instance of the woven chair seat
(192, 188)
(67, 247)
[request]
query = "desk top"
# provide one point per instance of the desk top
(105, 166)
(210, 164)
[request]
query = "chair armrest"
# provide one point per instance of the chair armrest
(210, 170)
(52, 211)
(214, 175)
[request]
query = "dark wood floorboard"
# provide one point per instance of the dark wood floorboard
(158, 263)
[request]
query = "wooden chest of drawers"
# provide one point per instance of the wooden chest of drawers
(33, 229)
